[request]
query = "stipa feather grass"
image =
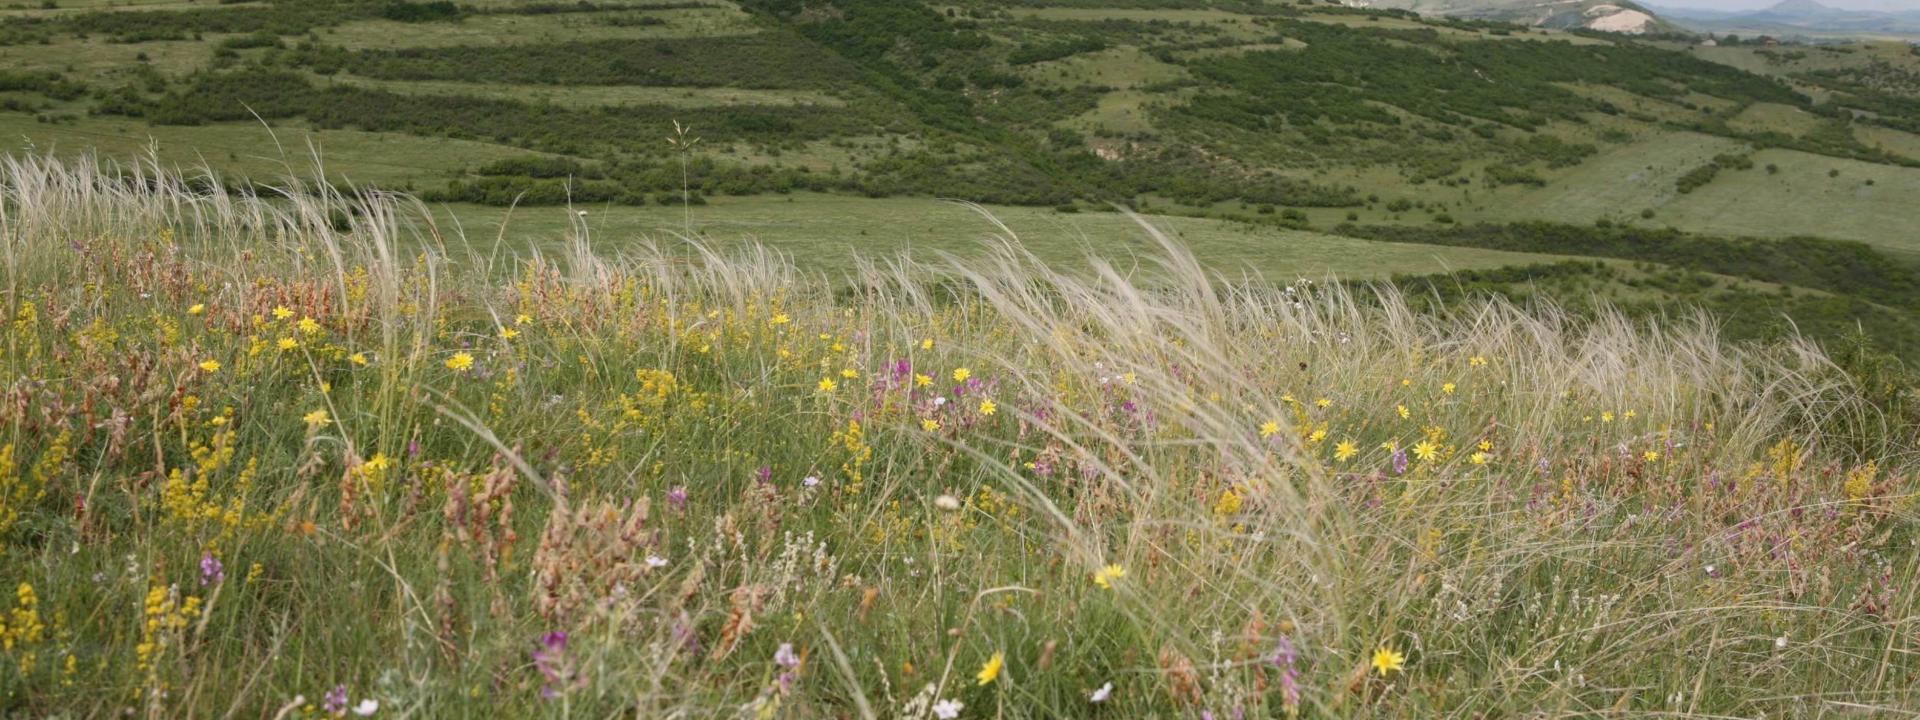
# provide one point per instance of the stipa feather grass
(312, 453)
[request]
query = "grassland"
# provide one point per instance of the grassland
(294, 469)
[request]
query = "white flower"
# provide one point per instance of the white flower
(1101, 695)
(947, 502)
(948, 709)
(939, 401)
(656, 561)
(1780, 642)
(367, 707)
(811, 481)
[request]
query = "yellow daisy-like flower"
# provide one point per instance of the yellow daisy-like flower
(197, 309)
(782, 318)
(1479, 458)
(1387, 660)
(922, 380)
(317, 419)
(929, 424)
(1426, 450)
(1606, 416)
(1447, 388)
(210, 366)
(1402, 409)
(460, 362)
(827, 385)
(1651, 456)
(288, 343)
(991, 671)
(1477, 361)
(961, 374)
(987, 407)
(1269, 429)
(849, 373)
(522, 319)
(926, 344)
(1322, 403)
(1345, 450)
(309, 326)
(1105, 576)
(358, 358)
(507, 333)
(282, 313)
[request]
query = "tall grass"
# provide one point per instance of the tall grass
(312, 453)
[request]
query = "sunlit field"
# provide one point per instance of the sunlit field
(316, 455)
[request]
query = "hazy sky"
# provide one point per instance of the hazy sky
(1756, 4)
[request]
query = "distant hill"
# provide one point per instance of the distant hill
(1604, 15)
(1799, 18)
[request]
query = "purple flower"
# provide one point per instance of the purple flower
(552, 662)
(784, 656)
(1399, 462)
(677, 497)
(765, 473)
(1283, 658)
(335, 701)
(211, 571)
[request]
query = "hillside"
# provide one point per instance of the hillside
(1601, 15)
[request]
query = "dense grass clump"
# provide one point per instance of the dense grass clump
(263, 457)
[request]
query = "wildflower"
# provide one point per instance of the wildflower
(1607, 416)
(316, 419)
(811, 481)
(655, 561)
(1269, 429)
(961, 374)
(785, 657)
(1447, 388)
(358, 358)
(1479, 457)
(1106, 575)
(929, 424)
(281, 312)
(552, 662)
(926, 344)
(211, 571)
(1651, 456)
(987, 407)
(210, 365)
(920, 380)
(1345, 450)
(197, 309)
(1322, 403)
(781, 319)
(335, 701)
(1387, 659)
(948, 709)
(460, 362)
(1317, 435)
(1101, 693)
(1426, 450)
(947, 502)
(1477, 361)
(850, 373)
(507, 333)
(827, 385)
(367, 707)
(1399, 462)
(309, 326)
(991, 670)
(1228, 504)
(1402, 409)
(287, 343)
(522, 319)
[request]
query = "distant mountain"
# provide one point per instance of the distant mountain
(1609, 15)
(1797, 17)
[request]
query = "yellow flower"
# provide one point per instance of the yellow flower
(926, 344)
(317, 419)
(781, 319)
(1317, 435)
(288, 343)
(460, 361)
(1651, 456)
(929, 424)
(507, 333)
(1387, 659)
(1426, 450)
(522, 319)
(1402, 409)
(1269, 429)
(922, 380)
(281, 313)
(197, 309)
(1447, 388)
(1322, 403)
(849, 373)
(1606, 417)
(1479, 458)
(309, 326)
(358, 358)
(1106, 575)
(1477, 361)
(1345, 450)
(210, 366)
(991, 670)
(827, 385)
(961, 375)
(987, 407)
